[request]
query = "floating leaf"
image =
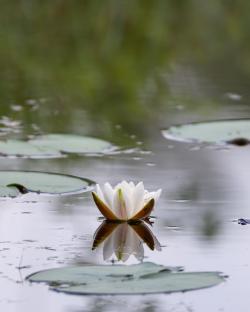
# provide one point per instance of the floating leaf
(6, 191)
(25, 149)
(53, 145)
(13, 183)
(235, 132)
(144, 278)
(67, 143)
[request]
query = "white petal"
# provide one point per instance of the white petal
(129, 187)
(126, 188)
(127, 198)
(118, 186)
(129, 205)
(132, 185)
(108, 195)
(124, 183)
(100, 193)
(140, 184)
(150, 195)
(116, 205)
(157, 195)
(138, 197)
(119, 205)
(128, 195)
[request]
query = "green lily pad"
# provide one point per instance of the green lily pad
(235, 132)
(10, 191)
(143, 278)
(41, 182)
(53, 145)
(67, 143)
(24, 149)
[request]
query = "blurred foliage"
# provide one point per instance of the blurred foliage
(96, 64)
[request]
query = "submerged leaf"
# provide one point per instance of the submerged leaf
(144, 278)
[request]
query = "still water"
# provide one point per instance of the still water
(109, 78)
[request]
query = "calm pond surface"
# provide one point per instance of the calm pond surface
(122, 73)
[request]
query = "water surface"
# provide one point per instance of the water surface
(122, 73)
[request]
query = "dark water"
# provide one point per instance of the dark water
(121, 72)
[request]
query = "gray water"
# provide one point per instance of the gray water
(93, 71)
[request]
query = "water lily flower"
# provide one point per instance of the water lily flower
(125, 202)
(124, 239)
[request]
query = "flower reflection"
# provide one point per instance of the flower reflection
(124, 239)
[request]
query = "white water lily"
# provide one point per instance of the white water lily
(125, 202)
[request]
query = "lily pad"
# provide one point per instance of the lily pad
(144, 278)
(10, 191)
(53, 145)
(41, 182)
(25, 149)
(68, 143)
(235, 131)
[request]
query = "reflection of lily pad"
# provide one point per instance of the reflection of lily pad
(144, 278)
(68, 143)
(235, 132)
(40, 182)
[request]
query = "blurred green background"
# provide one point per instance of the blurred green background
(90, 67)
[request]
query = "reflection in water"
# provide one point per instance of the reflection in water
(124, 239)
(210, 224)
